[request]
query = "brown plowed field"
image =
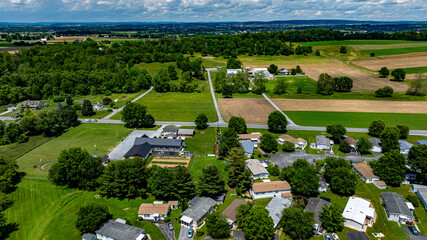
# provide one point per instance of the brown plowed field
(253, 110)
(362, 81)
(408, 62)
(351, 105)
(414, 75)
(414, 54)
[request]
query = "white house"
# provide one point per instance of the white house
(196, 212)
(269, 189)
(257, 169)
(359, 214)
(153, 211)
(405, 146)
(98, 107)
(112, 230)
(233, 71)
(264, 71)
(322, 142)
(376, 145)
(396, 207)
(422, 195)
(298, 142)
(365, 172)
(252, 137)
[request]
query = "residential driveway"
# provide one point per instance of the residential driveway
(170, 235)
(183, 234)
(287, 159)
(412, 236)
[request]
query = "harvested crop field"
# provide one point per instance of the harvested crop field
(351, 105)
(408, 62)
(169, 162)
(253, 110)
(362, 81)
(404, 55)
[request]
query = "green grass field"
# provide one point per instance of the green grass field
(416, 70)
(203, 142)
(353, 42)
(178, 106)
(44, 211)
(15, 150)
(307, 84)
(357, 120)
(96, 138)
(201, 162)
(382, 52)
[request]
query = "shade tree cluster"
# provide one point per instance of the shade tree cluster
(326, 85)
(389, 136)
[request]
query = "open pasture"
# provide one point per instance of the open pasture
(394, 51)
(253, 110)
(350, 106)
(357, 119)
(362, 81)
(408, 62)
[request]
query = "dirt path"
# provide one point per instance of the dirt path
(351, 105)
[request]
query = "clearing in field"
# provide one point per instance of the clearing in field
(169, 162)
(408, 62)
(362, 81)
(351, 106)
(253, 110)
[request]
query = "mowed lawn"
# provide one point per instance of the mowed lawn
(96, 138)
(201, 162)
(415, 70)
(178, 106)
(44, 211)
(203, 141)
(357, 120)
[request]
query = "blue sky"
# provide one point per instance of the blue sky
(209, 10)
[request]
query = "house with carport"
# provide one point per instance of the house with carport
(269, 189)
(257, 169)
(198, 208)
(396, 207)
(275, 208)
(359, 214)
(231, 211)
(365, 172)
(154, 211)
(316, 205)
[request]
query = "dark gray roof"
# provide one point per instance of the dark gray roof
(375, 142)
(395, 203)
(422, 142)
(356, 236)
(422, 193)
(88, 236)
(199, 207)
(139, 150)
(239, 235)
(275, 208)
(116, 230)
(219, 197)
(316, 205)
(170, 130)
(159, 142)
(404, 145)
(322, 140)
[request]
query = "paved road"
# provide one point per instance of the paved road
(218, 113)
(290, 122)
(170, 235)
(8, 111)
(412, 236)
(134, 100)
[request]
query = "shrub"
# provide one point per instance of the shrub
(58, 99)
(345, 147)
(414, 200)
(299, 90)
(108, 93)
(288, 147)
(167, 219)
(384, 92)
(343, 49)
(22, 138)
(77, 106)
(106, 101)
(372, 54)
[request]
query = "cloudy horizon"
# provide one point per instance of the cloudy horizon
(31, 11)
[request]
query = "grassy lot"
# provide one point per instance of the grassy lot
(354, 42)
(97, 138)
(381, 52)
(98, 114)
(153, 68)
(357, 120)
(178, 106)
(338, 95)
(45, 211)
(262, 202)
(201, 162)
(16, 150)
(307, 84)
(416, 70)
(203, 142)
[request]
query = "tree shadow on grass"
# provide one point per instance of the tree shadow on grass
(8, 229)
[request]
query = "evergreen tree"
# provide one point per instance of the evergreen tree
(211, 181)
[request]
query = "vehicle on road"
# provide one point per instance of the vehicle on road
(413, 230)
(335, 236)
(327, 236)
(170, 225)
(190, 233)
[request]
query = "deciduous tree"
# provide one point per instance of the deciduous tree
(384, 72)
(269, 143)
(201, 121)
(238, 124)
(297, 223)
(259, 225)
(217, 225)
(376, 128)
(398, 74)
(390, 139)
(91, 216)
(331, 218)
(417, 160)
(277, 122)
(391, 168)
(337, 131)
(364, 146)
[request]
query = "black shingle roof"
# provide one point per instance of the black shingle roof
(395, 203)
(116, 230)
